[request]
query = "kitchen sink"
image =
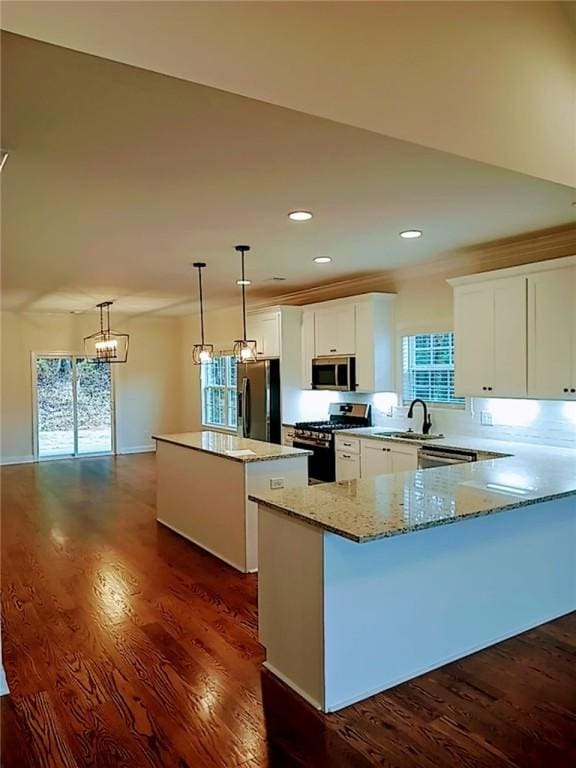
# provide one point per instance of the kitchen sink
(408, 435)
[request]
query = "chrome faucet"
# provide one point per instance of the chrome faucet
(427, 424)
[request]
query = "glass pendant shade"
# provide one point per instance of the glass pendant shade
(245, 350)
(107, 345)
(201, 353)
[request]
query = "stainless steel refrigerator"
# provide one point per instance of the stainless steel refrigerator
(258, 392)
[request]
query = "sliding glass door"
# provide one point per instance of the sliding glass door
(74, 406)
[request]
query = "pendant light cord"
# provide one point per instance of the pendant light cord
(201, 304)
(244, 298)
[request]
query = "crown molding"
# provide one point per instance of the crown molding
(542, 245)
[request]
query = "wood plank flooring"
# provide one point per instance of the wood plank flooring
(124, 645)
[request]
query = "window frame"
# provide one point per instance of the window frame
(228, 388)
(457, 403)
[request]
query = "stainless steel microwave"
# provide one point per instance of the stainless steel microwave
(336, 373)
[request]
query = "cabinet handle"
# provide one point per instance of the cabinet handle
(484, 389)
(346, 456)
(573, 390)
(490, 389)
(565, 389)
(348, 445)
(333, 350)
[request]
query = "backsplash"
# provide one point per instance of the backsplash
(547, 422)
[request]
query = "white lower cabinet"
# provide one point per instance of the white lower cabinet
(379, 457)
(347, 466)
(287, 435)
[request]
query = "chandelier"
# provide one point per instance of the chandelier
(107, 345)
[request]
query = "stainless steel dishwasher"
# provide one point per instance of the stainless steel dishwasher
(436, 456)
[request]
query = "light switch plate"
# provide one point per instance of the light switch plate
(276, 482)
(486, 419)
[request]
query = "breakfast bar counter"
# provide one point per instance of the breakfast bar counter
(365, 584)
(203, 482)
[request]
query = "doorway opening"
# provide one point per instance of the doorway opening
(74, 406)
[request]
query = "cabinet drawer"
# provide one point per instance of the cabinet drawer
(347, 466)
(347, 444)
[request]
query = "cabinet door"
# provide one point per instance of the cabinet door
(551, 329)
(270, 335)
(510, 344)
(265, 329)
(335, 330)
(473, 339)
(347, 466)
(404, 458)
(308, 349)
(376, 459)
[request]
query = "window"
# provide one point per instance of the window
(428, 368)
(219, 392)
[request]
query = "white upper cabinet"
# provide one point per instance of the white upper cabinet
(490, 338)
(359, 326)
(265, 328)
(552, 334)
(334, 332)
(515, 331)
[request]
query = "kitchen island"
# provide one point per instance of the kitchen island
(368, 583)
(203, 482)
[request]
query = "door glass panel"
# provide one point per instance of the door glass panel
(55, 401)
(94, 406)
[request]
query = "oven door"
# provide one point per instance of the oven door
(322, 463)
(335, 373)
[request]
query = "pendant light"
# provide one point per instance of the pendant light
(201, 353)
(244, 348)
(107, 345)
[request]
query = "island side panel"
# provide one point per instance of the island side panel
(293, 472)
(290, 602)
(398, 607)
(202, 497)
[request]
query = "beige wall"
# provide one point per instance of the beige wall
(492, 81)
(148, 388)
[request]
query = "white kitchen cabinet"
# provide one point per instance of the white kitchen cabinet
(552, 334)
(347, 444)
(359, 326)
(347, 466)
(335, 330)
(490, 338)
(308, 347)
(265, 328)
(376, 458)
(287, 435)
(380, 457)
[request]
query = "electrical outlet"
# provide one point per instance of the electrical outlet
(486, 419)
(276, 482)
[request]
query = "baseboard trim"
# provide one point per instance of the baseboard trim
(151, 448)
(203, 546)
(296, 688)
(17, 460)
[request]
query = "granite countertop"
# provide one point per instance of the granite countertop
(390, 505)
(487, 448)
(232, 447)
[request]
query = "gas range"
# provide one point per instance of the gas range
(319, 436)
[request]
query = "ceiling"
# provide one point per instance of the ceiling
(491, 81)
(119, 178)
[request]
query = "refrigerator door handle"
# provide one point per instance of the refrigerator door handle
(246, 423)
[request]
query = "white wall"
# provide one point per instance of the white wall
(490, 81)
(148, 388)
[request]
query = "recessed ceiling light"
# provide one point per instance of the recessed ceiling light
(322, 259)
(243, 282)
(300, 215)
(411, 234)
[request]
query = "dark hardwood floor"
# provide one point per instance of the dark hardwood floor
(124, 645)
